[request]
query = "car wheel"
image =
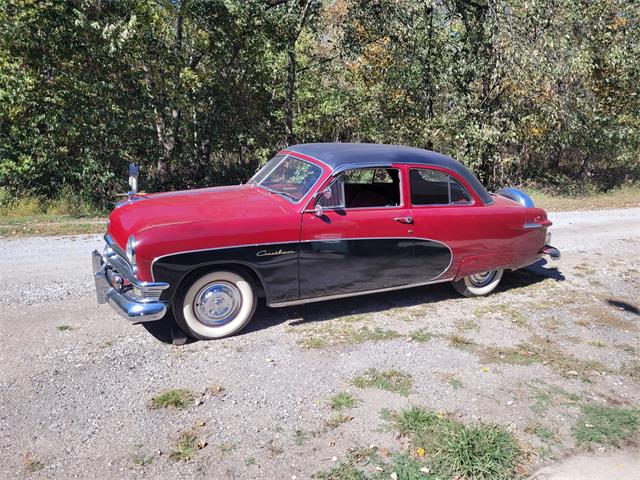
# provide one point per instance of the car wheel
(478, 284)
(215, 305)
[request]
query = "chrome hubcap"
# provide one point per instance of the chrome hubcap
(482, 279)
(217, 304)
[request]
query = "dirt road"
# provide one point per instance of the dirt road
(77, 381)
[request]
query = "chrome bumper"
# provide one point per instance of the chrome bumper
(550, 253)
(134, 300)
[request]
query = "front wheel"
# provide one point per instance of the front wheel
(478, 284)
(215, 305)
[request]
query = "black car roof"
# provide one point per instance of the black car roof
(340, 155)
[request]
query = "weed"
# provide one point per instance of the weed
(456, 450)
(420, 336)
(179, 398)
(31, 464)
(459, 340)
(606, 425)
(63, 328)
(337, 420)
(226, 447)
(334, 334)
(455, 383)
(598, 343)
(250, 461)
(300, 436)
(542, 401)
(141, 460)
(391, 380)
(540, 431)
(342, 471)
(342, 400)
(186, 446)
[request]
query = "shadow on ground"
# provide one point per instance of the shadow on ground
(266, 317)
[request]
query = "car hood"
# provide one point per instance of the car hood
(207, 205)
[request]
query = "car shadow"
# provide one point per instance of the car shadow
(266, 317)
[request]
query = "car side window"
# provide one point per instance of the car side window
(432, 187)
(364, 188)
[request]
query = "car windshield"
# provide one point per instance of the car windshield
(287, 176)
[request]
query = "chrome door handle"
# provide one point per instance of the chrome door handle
(404, 219)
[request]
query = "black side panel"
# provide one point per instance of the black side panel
(344, 266)
(275, 265)
(431, 260)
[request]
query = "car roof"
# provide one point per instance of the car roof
(340, 156)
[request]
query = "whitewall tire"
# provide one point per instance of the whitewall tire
(215, 305)
(479, 284)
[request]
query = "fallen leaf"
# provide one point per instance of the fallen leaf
(420, 452)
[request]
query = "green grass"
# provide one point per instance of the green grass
(391, 380)
(343, 333)
(141, 460)
(626, 196)
(63, 328)
(186, 446)
(250, 461)
(342, 400)
(607, 425)
(456, 384)
(420, 336)
(178, 398)
(455, 450)
(68, 214)
(300, 436)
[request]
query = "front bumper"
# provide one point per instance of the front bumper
(134, 300)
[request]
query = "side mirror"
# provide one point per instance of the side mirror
(319, 211)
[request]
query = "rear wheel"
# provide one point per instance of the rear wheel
(215, 305)
(478, 284)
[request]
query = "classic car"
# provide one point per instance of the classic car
(316, 222)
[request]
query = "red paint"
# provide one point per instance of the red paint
(480, 236)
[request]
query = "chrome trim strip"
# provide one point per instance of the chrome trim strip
(531, 226)
(354, 294)
(338, 239)
(358, 166)
(335, 177)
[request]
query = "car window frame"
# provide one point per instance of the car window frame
(470, 203)
(345, 208)
(290, 200)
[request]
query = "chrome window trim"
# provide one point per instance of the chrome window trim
(310, 189)
(346, 209)
(466, 204)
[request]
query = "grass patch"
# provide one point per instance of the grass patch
(456, 450)
(186, 446)
(63, 328)
(141, 460)
(338, 419)
(300, 436)
(250, 461)
(632, 370)
(226, 447)
(540, 431)
(178, 398)
(456, 384)
(420, 336)
(392, 380)
(31, 464)
(339, 334)
(626, 196)
(342, 400)
(606, 425)
(501, 310)
(69, 214)
(459, 340)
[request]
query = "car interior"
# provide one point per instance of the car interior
(371, 188)
(430, 187)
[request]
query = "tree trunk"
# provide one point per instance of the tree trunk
(289, 92)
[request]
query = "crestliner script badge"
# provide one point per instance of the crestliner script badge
(264, 253)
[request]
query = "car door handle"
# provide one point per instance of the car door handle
(404, 219)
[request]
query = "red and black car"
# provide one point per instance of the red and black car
(318, 221)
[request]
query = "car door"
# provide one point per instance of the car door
(450, 223)
(362, 239)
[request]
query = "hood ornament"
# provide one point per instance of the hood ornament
(133, 179)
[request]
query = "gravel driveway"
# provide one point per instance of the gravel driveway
(77, 380)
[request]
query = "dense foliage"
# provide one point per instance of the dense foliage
(200, 92)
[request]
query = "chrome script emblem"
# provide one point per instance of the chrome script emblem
(264, 253)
